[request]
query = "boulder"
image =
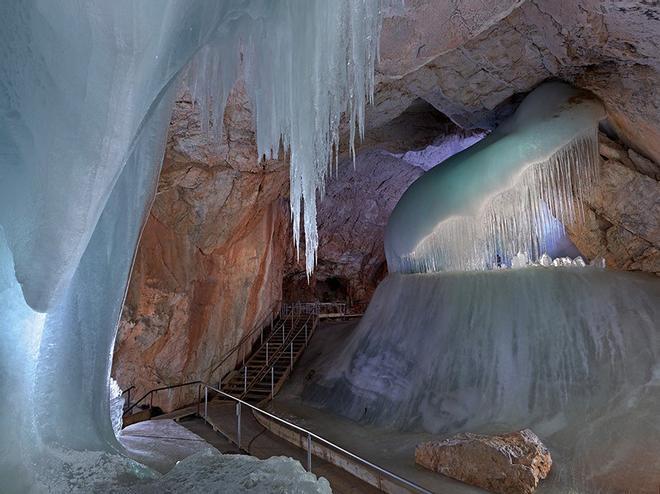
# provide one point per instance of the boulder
(507, 464)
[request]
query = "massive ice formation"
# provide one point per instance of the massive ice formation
(85, 97)
(502, 195)
(574, 354)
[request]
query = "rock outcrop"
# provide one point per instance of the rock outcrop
(622, 213)
(211, 257)
(511, 463)
(470, 62)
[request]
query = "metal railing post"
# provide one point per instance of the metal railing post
(206, 402)
(291, 352)
(272, 382)
(266, 352)
(238, 425)
(244, 379)
(322, 442)
(309, 453)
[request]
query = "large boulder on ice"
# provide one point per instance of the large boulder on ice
(508, 463)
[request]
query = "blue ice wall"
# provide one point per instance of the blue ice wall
(85, 99)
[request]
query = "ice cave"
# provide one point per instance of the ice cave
(283, 246)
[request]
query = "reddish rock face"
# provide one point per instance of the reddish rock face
(210, 261)
(511, 463)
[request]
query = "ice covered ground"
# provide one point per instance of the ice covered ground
(573, 353)
(171, 460)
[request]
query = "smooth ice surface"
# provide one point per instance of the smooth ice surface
(160, 443)
(116, 406)
(572, 353)
(86, 91)
(501, 196)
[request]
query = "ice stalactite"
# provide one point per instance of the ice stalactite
(503, 195)
(86, 92)
(300, 80)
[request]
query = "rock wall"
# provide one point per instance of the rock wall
(622, 213)
(472, 68)
(211, 257)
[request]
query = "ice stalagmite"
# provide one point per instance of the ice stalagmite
(85, 98)
(502, 195)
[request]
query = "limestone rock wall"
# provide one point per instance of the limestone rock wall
(622, 213)
(470, 60)
(211, 257)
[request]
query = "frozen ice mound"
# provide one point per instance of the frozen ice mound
(508, 193)
(211, 471)
(573, 354)
(82, 472)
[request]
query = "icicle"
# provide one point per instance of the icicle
(304, 67)
(505, 199)
(519, 220)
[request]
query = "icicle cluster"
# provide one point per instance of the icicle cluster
(305, 65)
(522, 218)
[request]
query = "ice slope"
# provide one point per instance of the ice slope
(572, 353)
(86, 92)
(499, 196)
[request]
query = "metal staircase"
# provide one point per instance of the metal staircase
(266, 356)
(264, 372)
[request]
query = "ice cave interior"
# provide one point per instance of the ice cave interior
(396, 227)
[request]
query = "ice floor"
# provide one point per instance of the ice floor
(161, 444)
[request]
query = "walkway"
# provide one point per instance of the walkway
(259, 442)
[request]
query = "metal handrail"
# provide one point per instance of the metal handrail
(276, 357)
(312, 307)
(258, 326)
(271, 337)
(298, 428)
(127, 403)
(152, 391)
